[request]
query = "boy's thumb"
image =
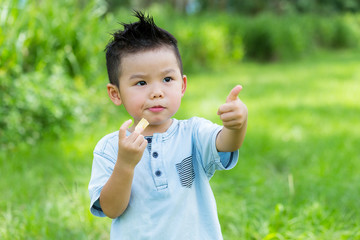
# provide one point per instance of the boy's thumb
(233, 95)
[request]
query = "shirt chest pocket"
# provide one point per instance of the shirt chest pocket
(185, 171)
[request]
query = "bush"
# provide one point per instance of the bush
(213, 39)
(30, 111)
(258, 39)
(49, 52)
(203, 44)
(205, 41)
(347, 32)
(267, 37)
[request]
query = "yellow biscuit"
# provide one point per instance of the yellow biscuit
(141, 125)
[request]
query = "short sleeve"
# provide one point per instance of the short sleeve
(228, 159)
(103, 165)
(204, 134)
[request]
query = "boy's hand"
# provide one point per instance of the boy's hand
(131, 148)
(233, 113)
(115, 195)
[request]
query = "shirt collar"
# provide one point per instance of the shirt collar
(165, 135)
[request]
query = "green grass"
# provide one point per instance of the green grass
(298, 171)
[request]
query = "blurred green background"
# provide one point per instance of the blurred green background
(298, 61)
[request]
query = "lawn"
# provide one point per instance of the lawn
(298, 171)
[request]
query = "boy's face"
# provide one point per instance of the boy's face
(151, 87)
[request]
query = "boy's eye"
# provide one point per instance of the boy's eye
(141, 83)
(167, 79)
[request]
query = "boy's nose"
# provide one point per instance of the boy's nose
(156, 93)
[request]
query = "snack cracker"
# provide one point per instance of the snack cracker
(141, 125)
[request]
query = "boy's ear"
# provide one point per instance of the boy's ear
(114, 94)
(184, 84)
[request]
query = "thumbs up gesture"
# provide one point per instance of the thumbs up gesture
(233, 113)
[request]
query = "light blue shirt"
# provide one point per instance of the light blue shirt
(171, 196)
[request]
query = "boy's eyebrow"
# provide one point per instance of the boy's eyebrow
(170, 70)
(137, 75)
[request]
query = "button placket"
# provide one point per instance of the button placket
(157, 166)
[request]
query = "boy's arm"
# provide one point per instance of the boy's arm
(234, 117)
(115, 195)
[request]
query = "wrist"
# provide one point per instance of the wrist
(124, 167)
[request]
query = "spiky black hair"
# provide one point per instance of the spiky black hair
(138, 36)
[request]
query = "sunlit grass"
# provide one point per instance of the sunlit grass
(297, 176)
(45, 195)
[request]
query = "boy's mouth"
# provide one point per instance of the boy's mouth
(156, 108)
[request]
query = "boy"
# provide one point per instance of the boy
(154, 183)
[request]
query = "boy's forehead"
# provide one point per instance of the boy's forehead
(153, 59)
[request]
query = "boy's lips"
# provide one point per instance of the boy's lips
(156, 108)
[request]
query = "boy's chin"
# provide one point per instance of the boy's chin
(158, 124)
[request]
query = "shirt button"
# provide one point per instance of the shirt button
(155, 154)
(158, 173)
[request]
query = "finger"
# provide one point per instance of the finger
(226, 107)
(143, 145)
(133, 136)
(123, 128)
(234, 124)
(228, 116)
(140, 141)
(233, 95)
